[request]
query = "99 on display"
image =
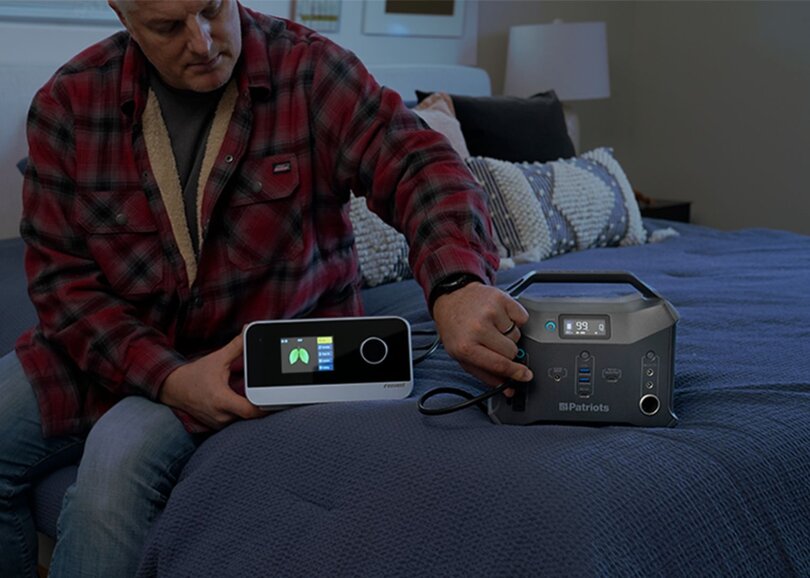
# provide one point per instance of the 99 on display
(585, 327)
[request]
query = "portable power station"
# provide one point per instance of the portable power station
(597, 360)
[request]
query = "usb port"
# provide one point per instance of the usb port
(585, 369)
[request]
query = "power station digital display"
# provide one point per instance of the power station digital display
(585, 327)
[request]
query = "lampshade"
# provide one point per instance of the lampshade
(569, 57)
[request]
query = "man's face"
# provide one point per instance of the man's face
(193, 44)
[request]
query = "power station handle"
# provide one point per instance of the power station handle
(516, 288)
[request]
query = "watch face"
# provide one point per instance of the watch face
(458, 283)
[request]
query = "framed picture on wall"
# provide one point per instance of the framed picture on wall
(77, 12)
(320, 15)
(413, 17)
(98, 12)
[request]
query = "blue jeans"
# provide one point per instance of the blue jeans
(129, 464)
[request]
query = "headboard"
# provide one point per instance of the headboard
(455, 79)
(20, 83)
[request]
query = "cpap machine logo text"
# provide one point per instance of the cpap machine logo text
(565, 406)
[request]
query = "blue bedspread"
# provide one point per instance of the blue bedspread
(377, 489)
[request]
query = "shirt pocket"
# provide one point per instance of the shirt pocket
(122, 237)
(265, 218)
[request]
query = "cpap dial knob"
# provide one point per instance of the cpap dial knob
(373, 350)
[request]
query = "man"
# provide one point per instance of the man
(186, 177)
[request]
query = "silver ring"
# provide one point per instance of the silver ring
(510, 329)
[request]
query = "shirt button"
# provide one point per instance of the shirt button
(198, 302)
(145, 174)
(121, 219)
(257, 186)
(229, 159)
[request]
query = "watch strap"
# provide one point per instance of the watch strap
(449, 284)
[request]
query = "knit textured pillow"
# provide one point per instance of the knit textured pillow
(381, 249)
(540, 210)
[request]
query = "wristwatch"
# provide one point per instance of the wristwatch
(449, 284)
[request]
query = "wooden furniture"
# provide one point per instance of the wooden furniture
(663, 208)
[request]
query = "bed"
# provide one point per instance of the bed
(378, 489)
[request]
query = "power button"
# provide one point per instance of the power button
(373, 350)
(551, 326)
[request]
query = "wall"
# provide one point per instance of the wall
(708, 100)
(30, 52)
(721, 110)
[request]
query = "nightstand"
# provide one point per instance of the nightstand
(664, 209)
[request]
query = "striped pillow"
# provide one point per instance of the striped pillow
(540, 210)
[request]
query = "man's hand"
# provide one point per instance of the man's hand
(474, 324)
(201, 389)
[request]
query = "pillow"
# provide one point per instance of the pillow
(381, 250)
(540, 210)
(513, 129)
(439, 100)
(437, 111)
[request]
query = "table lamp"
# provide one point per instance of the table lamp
(569, 57)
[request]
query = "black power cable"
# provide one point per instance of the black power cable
(477, 400)
(428, 349)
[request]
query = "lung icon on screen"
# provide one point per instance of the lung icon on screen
(299, 354)
(307, 354)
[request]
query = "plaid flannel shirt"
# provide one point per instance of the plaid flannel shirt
(117, 313)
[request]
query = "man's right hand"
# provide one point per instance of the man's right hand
(201, 389)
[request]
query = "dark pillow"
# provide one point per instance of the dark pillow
(513, 129)
(21, 166)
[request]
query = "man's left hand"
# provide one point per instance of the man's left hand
(479, 327)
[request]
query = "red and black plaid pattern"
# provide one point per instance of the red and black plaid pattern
(117, 313)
